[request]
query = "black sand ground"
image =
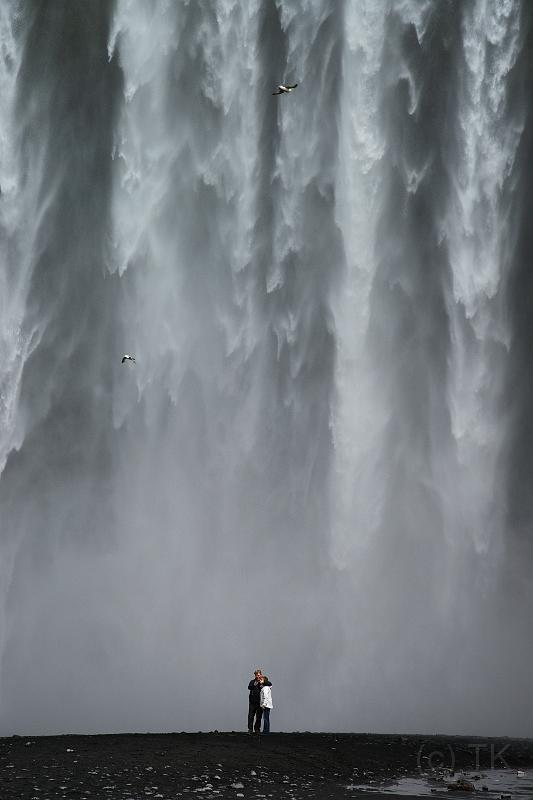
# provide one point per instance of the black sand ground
(235, 765)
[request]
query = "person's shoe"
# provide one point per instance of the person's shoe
(250, 731)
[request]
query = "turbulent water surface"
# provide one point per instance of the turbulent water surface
(321, 460)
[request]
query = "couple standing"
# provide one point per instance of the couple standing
(259, 703)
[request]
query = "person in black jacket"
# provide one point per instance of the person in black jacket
(255, 712)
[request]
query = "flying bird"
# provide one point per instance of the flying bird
(285, 89)
(126, 357)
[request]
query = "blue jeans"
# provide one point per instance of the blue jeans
(266, 720)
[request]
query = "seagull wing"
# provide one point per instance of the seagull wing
(291, 86)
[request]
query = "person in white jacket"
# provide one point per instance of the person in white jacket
(266, 702)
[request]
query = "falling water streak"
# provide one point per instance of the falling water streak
(10, 338)
(11, 312)
(20, 217)
(143, 158)
(360, 415)
(303, 227)
(24, 205)
(478, 230)
(151, 147)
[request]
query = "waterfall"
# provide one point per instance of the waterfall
(479, 232)
(308, 466)
(360, 415)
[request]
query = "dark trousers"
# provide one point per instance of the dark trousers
(266, 720)
(255, 712)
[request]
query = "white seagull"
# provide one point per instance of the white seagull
(285, 89)
(126, 357)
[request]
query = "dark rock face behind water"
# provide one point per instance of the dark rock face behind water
(282, 765)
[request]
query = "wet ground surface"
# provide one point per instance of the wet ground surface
(235, 765)
(437, 784)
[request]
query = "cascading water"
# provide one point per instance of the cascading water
(308, 465)
(477, 229)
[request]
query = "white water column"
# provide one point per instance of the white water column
(478, 231)
(23, 205)
(361, 409)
